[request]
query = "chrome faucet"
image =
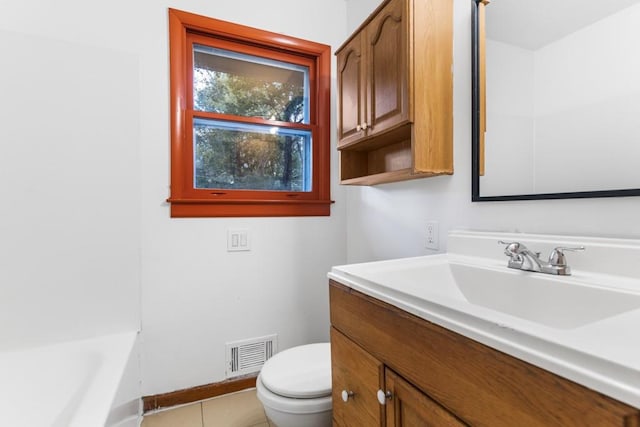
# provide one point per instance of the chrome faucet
(522, 258)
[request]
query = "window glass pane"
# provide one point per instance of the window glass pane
(244, 85)
(250, 157)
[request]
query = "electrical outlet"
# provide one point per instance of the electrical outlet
(432, 235)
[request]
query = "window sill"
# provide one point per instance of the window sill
(193, 208)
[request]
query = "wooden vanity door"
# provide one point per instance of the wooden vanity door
(355, 371)
(409, 407)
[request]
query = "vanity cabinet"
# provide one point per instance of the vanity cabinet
(360, 380)
(395, 89)
(434, 377)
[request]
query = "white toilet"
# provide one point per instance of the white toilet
(294, 386)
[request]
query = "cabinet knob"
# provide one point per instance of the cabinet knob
(346, 395)
(383, 397)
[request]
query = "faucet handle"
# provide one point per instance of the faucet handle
(511, 249)
(511, 246)
(557, 258)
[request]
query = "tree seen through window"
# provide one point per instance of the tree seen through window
(236, 155)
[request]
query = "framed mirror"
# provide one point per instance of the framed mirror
(556, 99)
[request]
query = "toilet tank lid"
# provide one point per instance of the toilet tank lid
(299, 372)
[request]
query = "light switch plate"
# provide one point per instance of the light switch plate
(238, 240)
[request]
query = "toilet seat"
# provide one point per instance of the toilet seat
(302, 372)
(290, 405)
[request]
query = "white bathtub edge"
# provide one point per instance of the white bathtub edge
(116, 350)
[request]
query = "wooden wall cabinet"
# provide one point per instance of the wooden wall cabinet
(434, 377)
(395, 94)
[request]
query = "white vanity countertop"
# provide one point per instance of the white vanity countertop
(602, 353)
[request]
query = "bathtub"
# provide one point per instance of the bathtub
(70, 384)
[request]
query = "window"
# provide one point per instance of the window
(250, 120)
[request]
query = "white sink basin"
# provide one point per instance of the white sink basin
(555, 301)
(562, 302)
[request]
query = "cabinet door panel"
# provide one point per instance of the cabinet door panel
(409, 407)
(354, 370)
(388, 69)
(351, 91)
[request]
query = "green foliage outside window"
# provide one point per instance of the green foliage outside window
(243, 156)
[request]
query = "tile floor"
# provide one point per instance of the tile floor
(242, 409)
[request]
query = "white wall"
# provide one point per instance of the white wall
(69, 184)
(91, 223)
(389, 221)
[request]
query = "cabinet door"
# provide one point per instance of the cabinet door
(388, 68)
(358, 374)
(409, 407)
(351, 91)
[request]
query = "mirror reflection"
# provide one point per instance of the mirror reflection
(562, 98)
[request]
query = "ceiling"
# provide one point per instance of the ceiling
(533, 24)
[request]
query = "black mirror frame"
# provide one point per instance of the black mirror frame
(475, 137)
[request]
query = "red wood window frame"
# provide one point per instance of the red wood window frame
(186, 201)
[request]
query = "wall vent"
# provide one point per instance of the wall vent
(248, 356)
